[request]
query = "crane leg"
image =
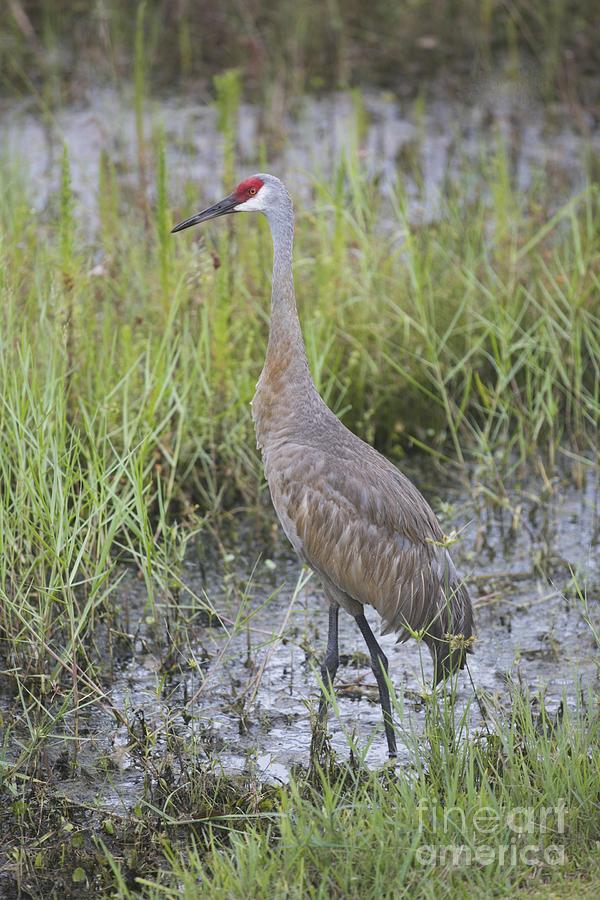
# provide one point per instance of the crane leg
(328, 670)
(379, 664)
(332, 658)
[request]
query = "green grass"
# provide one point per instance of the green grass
(127, 364)
(514, 811)
(435, 832)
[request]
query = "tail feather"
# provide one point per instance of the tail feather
(450, 633)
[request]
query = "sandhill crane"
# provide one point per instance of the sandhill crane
(351, 515)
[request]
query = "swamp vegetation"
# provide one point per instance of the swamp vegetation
(158, 642)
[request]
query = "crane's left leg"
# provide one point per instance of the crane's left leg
(332, 658)
(379, 664)
(328, 670)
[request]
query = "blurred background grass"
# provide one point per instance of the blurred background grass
(305, 45)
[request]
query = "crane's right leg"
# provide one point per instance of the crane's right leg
(328, 670)
(379, 664)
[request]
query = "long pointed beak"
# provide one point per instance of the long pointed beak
(223, 208)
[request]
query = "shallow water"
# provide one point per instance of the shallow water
(238, 699)
(452, 138)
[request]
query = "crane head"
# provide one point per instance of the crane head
(259, 193)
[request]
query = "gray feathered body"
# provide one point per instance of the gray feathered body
(351, 515)
(359, 523)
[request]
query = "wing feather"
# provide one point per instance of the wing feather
(366, 528)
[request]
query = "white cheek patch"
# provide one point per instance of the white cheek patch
(251, 205)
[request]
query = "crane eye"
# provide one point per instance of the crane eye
(251, 190)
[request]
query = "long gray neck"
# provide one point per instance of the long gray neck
(285, 351)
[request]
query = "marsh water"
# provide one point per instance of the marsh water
(427, 146)
(236, 691)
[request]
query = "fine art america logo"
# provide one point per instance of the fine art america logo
(526, 835)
